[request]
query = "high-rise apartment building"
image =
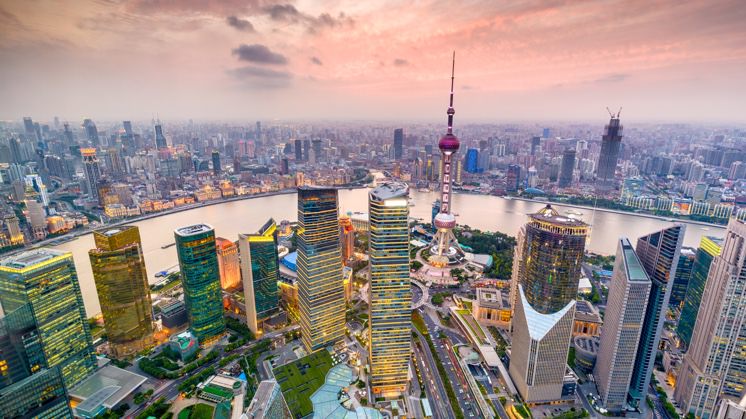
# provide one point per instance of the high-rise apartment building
(45, 280)
(122, 285)
(347, 238)
(200, 277)
(609, 155)
(260, 268)
(567, 168)
(230, 270)
(398, 143)
(659, 254)
(709, 248)
(92, 171)
(714, 365)
(546, 272)
(390, 313)
(320, 288)
(620, 336)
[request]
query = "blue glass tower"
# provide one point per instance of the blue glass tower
(472, 160)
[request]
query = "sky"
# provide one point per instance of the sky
(523, 60)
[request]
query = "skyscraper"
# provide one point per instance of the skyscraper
(92, 171)
(230, 270)
(620, 336)
(46, 281)
(444, 242)
(714, 361)
(320, 289)
(472, 160)
(512, 178)
(709, 248)
(398, 143)
(216, 168)
(260, 269)
(347, 238)
(122, 285)
(200, 277)
(659, 254)
(609, 155)
(546, 272)
(683, 275)
(568, 166)
(160, 139)
(390, 324)
(91, 132)
(298, 148)
(268, 402)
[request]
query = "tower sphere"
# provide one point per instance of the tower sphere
(449, 142)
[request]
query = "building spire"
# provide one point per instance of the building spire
(451, 111)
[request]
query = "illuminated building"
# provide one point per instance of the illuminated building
(230, 271)
(347, 238)
(320, 288)
(625, 311)
(715, 366)
(445, 247)
(683, 275)
(390, 324)
(46, 281)
(489, 308)
(709, 248)
(92, 171)
(200, 277)
(261, 273)
(122, 285)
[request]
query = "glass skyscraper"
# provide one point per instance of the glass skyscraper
(321, 296)
(45, 280)
(683, 275)
(260, 269)
(659, 255)
(200, 277)
(390, 324)
(609, 155)
(122, 285)
(709, 248)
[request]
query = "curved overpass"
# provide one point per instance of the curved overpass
(424, 298)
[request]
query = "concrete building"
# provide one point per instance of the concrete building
(491, 308)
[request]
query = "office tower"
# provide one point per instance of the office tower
(513, 178)
(472, 160)
(535, 145)
(444, 241)
(37, 219)
(230, 270)
(284, 166)
(12, 225)
(200, 277)
(260, 268)
(15, 151)
(568, 166)
(268, 402)
(659, 254)
(709, 248)
(160, 139)
(683, 275)
(298, 148)
(546, 272)
(91, 132)
(398, 143)
(390, 312)
(609, 155)
(620, 336)
(34, 182)
(128, 128)
(28, 126)
(320, 288)
(92, 171)
(306, 149)
(347, 239)
(216, 169)
(122, 285)
(714, 364)
(46, 281)
(732, 410)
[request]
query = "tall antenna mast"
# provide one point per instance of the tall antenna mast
(451, 111)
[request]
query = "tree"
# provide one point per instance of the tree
(416, 265)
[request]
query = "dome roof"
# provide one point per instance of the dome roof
(449, 142)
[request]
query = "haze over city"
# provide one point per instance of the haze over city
(336, 60)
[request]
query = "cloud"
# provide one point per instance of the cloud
(259, 77)
(400, 62)
(181, 7)
(290, 14)
(612, 78)
(260, 54)
(316, 60)
(240, 24)
(284, 13)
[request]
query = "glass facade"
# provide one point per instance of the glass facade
(200, 277)
(709, 247)
(659, 254)
(320, 288)
(122, 286)
(609, 155)
(390, 324)
(683, 275)
(230, 271)
(46, 281)
(260, 267)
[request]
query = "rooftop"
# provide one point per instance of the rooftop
(193, 230)
(30, 258)
(108, 386)
(550, 215)
(632, 264)
(390, 190)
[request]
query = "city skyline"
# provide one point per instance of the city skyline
(527, 60)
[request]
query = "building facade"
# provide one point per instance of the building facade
(683, 275)
(260, 269)
(390, 312)
(122, 286)
(230, 269)
(200, 277)
(92, 171)
(609, 155)
(709, 248)
(321, 297)
(625, 311)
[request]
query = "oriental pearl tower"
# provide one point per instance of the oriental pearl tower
(444, 247)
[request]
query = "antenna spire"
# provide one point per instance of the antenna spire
(451, 111)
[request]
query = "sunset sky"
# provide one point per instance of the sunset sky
(373, 60)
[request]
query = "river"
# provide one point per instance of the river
(484, 212)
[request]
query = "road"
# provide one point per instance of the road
(434, 388)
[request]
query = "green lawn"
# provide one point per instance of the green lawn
(300, 379)
(201, 411)
(473, 326)
(217, 391)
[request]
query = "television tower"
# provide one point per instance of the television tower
(445, 246)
